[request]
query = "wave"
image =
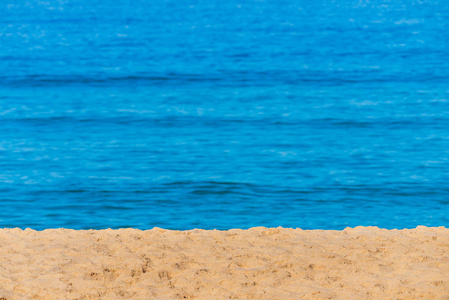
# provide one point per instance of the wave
(223, 78)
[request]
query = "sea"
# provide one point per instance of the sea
(224, 114)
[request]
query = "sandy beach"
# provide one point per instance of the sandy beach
(258, 263)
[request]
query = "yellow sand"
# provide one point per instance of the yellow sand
(259, 263)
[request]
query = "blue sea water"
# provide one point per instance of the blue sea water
(224, 114)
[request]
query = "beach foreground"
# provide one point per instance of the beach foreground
(258, 263)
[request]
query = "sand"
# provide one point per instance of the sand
(259, 263)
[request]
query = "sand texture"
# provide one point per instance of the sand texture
(259, 263)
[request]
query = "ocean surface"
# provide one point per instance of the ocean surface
(224, 114)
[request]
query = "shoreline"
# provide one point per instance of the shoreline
(256, 263)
